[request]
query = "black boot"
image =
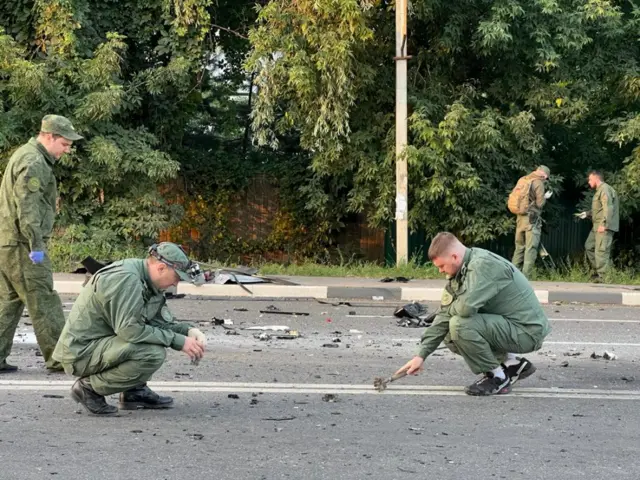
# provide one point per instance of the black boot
(143, 397)
(7, 368)
(93, 402)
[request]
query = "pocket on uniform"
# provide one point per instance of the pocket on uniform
(37, 277)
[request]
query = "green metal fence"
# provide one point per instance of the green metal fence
(563, 238)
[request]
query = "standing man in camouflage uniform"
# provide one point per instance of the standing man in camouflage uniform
(529, 223)
(488, 313)
(28, 195)
(120, 327)
(605, 217)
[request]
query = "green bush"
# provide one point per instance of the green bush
(73, 244)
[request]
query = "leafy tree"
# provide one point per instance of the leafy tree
(496, 88)
(127, 74)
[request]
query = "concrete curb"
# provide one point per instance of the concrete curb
(408, 294)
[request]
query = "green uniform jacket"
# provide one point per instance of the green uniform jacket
(28, 197)
(605, 208)
(119, 300)
(486, 283)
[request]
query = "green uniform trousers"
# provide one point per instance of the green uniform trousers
(598, 250)
(484, 339)
(23, 282)
(527, 243)
(114, 365)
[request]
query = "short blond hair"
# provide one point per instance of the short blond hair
(442, 244)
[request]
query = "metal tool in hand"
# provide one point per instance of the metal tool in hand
(380, 383)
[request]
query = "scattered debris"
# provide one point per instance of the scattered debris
(330, 397)
(606, 355)
(232, 332)
(406, 470)
(330, 345)
(628, 379)
(273, 328)
(136, 431)
(335, 304)
(572, 354)
(292, 335)
(233, 395)
(47, 395)
(196, 436)
(281, 419)
(414, 315)
(378, 298)
(280, 312)
(241, 309)
(565, 363)
(395, 279)
(222, 321)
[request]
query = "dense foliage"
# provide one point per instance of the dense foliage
(183, 102)
(495, 89)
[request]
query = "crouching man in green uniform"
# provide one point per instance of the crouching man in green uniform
(118, 330)
(488, 314)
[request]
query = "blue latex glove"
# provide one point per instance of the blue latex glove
(36, 257)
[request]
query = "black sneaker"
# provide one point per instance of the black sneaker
(489, 385)
(519, 371)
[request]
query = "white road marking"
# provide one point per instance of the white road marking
(555, 342)
(343, 389)
(30, 339)
(552, 319)
(611, 344)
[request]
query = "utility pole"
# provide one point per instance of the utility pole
(402, 187)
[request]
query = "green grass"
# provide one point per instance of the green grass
(67, 251)
(575, 274)
(354, 269)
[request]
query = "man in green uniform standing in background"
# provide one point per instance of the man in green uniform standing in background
(28, 196)
(530, 192)
(119, 328)
(488, 313)
(605, 217)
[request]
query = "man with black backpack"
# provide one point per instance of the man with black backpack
(526, 201)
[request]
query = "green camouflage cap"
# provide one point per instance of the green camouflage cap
(174, 256)
(545, 169)
(59, 125)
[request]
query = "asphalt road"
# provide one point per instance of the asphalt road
(308, 411)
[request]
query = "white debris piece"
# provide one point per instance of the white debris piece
(271, 328)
